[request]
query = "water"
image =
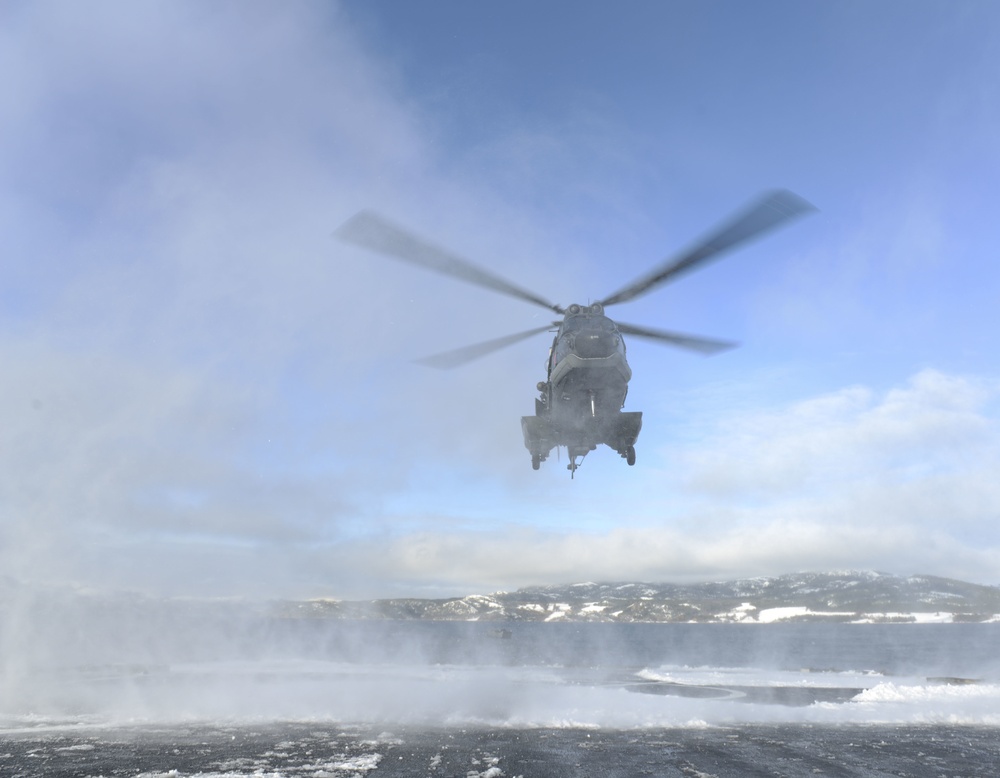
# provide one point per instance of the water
(931, 649)
(273, 697)
(141, 668)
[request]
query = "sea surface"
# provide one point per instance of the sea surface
(270, 698)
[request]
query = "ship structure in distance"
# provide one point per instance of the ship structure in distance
(580, 404)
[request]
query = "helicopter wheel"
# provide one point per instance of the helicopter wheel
(630, 455)
(536, 461)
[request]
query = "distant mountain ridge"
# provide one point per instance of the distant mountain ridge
(851, 597)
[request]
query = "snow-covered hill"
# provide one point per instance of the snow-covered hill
(860, 597)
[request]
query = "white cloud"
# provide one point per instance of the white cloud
(448, 562)
(935, 424)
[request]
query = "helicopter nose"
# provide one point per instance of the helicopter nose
(593, 345)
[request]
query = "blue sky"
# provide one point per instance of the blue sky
(204, 393)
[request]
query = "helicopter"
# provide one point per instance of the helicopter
(580, 403)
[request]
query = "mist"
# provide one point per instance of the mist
(197, 373)
(209, 406)
(93, 663)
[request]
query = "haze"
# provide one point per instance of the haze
(203, 393)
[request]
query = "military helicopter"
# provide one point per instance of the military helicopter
(581, 399)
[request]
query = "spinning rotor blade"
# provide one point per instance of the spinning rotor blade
(468, 353)
(371, 231)
(777, 207)
(692, 342)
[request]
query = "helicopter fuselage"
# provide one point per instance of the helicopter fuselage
(580, 403)
(588, 372)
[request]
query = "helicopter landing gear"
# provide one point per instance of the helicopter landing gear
(536, 461)
(630, 455)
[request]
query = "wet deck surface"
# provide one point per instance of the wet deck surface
(327, 750)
